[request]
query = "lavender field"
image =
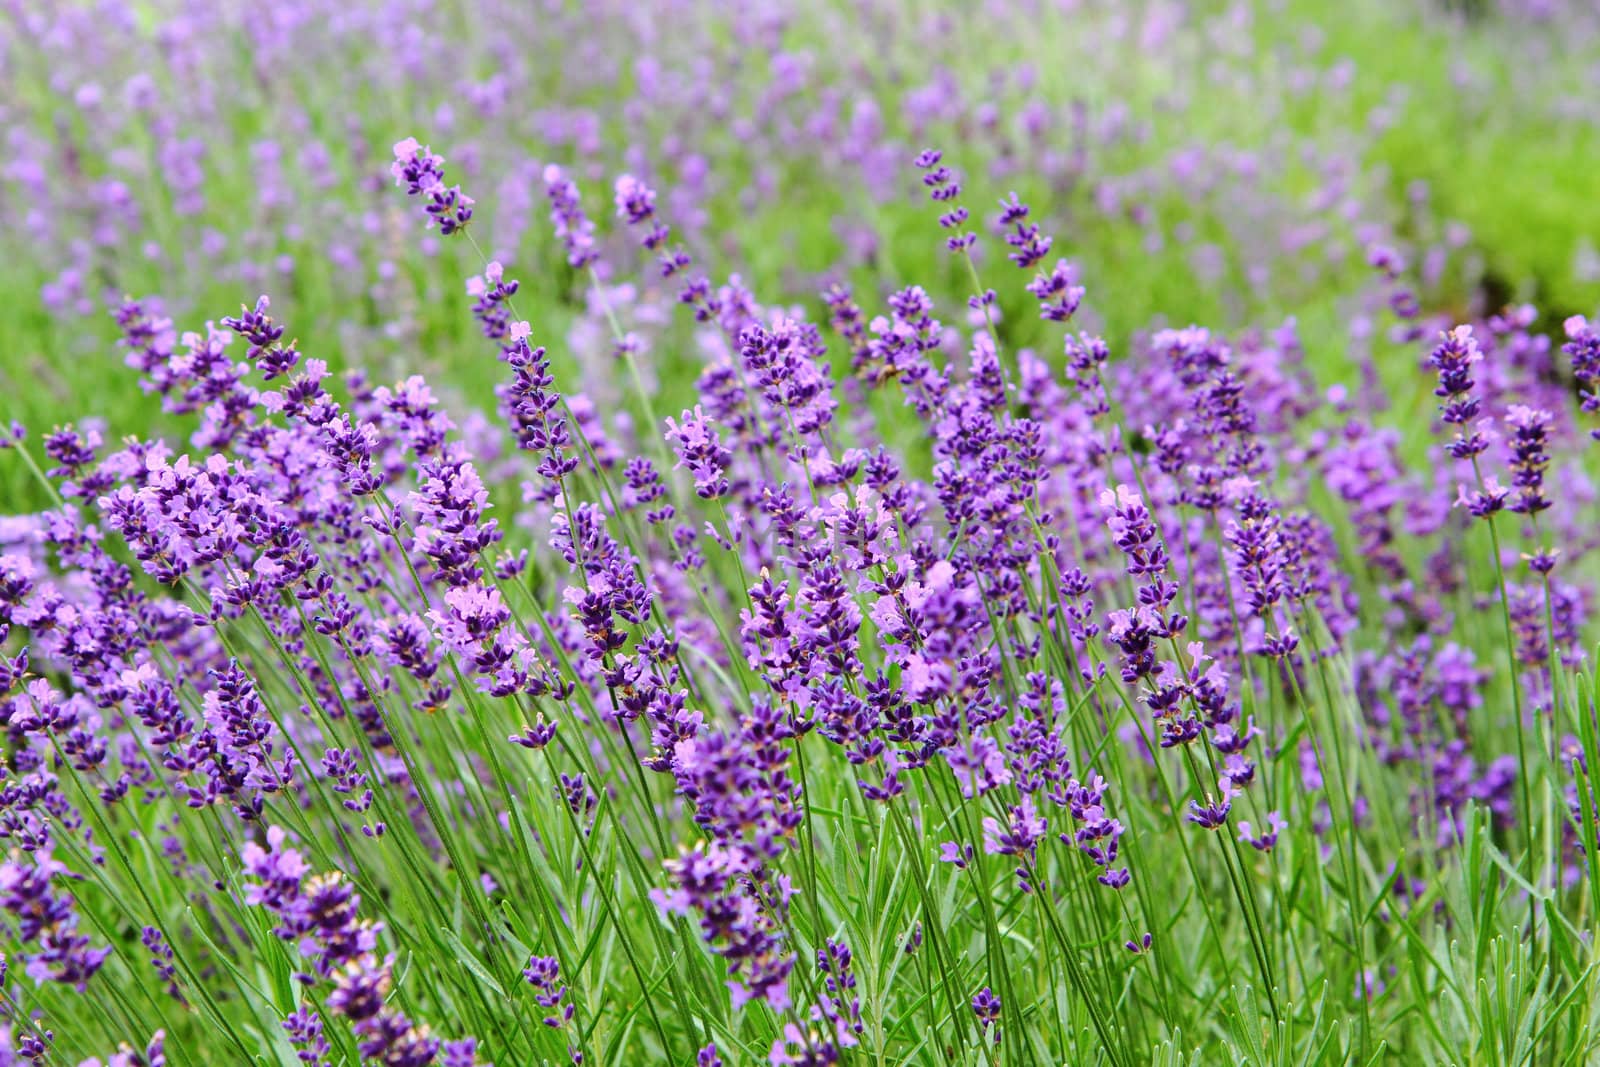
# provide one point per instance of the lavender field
(868, 532)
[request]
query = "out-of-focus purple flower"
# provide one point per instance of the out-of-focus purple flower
(955, 854)
(1267, 839)
(1583, 349)
(945, 190)
(46, 922)
(572, 227)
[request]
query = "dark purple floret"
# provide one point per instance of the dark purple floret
(1583, 349)
(1530, 439)
(986, 1006)
(1029, 244)
(1454, 358)
(1267, 838)
(1212, 815)
(839, 1003)
(536, 736)
(491, 294)
(421, 173)
(256, 327)
(534, 407)
(945, 190)
(544, 974)
(700, 449)
(304, 1027)
(1058, 295)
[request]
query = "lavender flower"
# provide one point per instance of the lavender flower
(901, 602)
(986, 1006)
(1583, 349)
(544, 974)
(421, 173)
(945, 190)
(1529, 440)
(47, 923)
(1454, 358)
(271, 358)
(573, 228)
(321, 913)
(701, 450)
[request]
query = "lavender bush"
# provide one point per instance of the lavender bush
(875, 672)
(1226, 164)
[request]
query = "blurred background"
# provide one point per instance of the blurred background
(1231, 164)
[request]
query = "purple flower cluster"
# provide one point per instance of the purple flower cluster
(321, 914)
(1455, 358)
(596, 685)
(420, 172)
(1583, 349)
(47, 922)
(945, 190)
(572, 227)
